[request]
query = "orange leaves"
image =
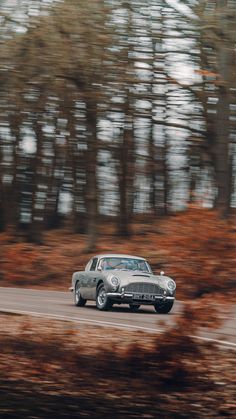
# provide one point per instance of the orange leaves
(202, 252)
(114, 370)
(19, 262)
(207, 73)
(196, 248)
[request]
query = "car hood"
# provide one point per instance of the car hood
(127, 277)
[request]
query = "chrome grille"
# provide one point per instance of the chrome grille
(144, 288)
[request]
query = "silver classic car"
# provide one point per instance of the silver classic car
(122, 279)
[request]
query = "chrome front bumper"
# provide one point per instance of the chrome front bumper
(144, 298)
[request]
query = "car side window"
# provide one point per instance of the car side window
(94, 264)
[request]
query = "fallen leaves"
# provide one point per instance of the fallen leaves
(196, 248)
(49, 369)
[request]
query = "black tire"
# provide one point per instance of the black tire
(103, 303)
(134, 307)
(79, 301)
(163, 307)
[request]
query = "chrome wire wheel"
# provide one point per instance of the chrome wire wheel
(102, 301)
(102, 297)
(79, 301)
(77, 295)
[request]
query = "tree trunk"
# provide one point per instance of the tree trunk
(222, 149)
(126, 171)
(2, 218)
(91, 175)
(38, 202)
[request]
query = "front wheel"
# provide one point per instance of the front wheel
(102, 301)
(79, 301)
(163, 307)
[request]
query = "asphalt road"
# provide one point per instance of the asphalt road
(60, 305)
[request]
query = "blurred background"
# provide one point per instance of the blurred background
(115, 109)
(118, 134)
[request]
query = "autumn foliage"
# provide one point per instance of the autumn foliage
(55, 368)
(196, 248)
(63, 369)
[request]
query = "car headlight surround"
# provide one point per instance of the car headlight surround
(171, 285)
(115, 281)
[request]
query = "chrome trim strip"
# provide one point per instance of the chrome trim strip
(126, 295)
(119, 294)
(165, 298)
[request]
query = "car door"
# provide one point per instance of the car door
(91, 280)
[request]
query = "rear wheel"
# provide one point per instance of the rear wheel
(134, 307)
(79, 301)
(102, 301)
(163, 307)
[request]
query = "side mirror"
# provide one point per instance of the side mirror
(162, 273)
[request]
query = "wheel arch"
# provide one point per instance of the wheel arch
(76, 282)
(75, 279)
(98, 284)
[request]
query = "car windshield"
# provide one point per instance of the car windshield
(121, 263)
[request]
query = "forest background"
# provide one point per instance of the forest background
(117, 133)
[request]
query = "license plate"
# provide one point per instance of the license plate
(143, 296)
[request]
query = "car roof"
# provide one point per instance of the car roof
(113, 255)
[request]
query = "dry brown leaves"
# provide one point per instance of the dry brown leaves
(196, 248)
(51, 366)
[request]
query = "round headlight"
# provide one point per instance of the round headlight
(115, 281)
(171, 285)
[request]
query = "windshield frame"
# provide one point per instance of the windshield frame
(125, 258)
